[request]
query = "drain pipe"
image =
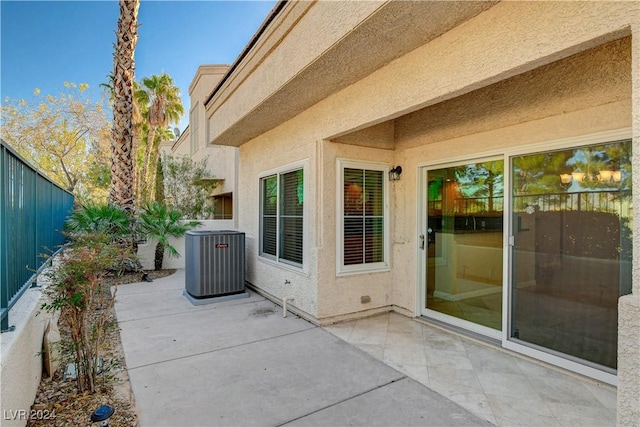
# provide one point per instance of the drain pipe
(284, 305)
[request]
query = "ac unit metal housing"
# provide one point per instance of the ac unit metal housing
(214, 263)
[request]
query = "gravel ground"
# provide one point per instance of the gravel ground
(57, 402)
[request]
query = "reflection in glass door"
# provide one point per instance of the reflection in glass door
(571, 257)
(464, 242)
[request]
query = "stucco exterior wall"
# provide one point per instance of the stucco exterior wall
(584, 94)
(629, 360)
(628, 410)
(417, 77)
(282, 64)
(223, 160)
(268, 153)
(340, 295)
(516, 74)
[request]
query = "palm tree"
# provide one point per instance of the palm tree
(160, 222)
(108, 220)
(164, 108)
(122, 154)
(139, 97)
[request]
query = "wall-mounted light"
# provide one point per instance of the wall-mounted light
(394, 174)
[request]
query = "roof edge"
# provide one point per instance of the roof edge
(272, 15)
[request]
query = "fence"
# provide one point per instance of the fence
(612, 201)
(32, 212)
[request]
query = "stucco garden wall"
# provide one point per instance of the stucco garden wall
(146, 251)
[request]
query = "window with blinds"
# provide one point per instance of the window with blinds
(282, 215)
(363, 219)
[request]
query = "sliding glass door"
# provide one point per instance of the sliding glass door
(568, 215)
(463, 244)
(571, 256)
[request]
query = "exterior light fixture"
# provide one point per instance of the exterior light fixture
(604, 176)
(610, 175)
(578, 176)
(102, 415)
(394, 174)
(617, 176)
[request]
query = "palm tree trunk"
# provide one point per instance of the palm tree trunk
(153, 172)
(145, 192)
(159, 256)
(134, 152)
(122, 155)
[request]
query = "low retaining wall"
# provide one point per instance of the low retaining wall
(21, 359)
(146, 252)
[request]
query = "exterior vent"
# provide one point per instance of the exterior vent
(214, 263)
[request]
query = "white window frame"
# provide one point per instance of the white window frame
(341, 268)
(302, 165)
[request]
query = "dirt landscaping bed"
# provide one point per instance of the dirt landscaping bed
(57, 402)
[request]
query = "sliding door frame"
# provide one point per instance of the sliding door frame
(507, 155)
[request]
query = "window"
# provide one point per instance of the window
(362, 217)
(282, 217)
(223, 206)
(193, 132)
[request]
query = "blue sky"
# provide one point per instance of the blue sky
(45, 43)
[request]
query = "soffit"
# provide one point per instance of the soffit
(392, 30)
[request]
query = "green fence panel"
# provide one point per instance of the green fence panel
(33, 210)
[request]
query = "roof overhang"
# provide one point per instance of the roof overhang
(305, 51)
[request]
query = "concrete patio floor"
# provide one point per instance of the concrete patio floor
(240, 362)
(497, 385)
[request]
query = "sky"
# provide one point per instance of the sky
(46, 43)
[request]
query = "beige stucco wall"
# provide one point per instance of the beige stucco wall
(586, 93)
(507, 40)
(146, 251)
(340, 294)
(628, 410)
(281, 65)
(449, 99)
(223, 160)
(416, 79)
(580, 95)
(276, 149)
